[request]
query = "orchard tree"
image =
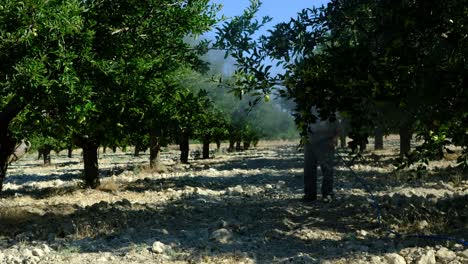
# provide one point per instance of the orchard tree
(40, 44)
(352, 55)
(84, 61)
(211, 127)
(135, 43)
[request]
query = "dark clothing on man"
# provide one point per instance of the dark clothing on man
(320, 151)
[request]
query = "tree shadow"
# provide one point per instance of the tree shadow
(262, 163)
(271, 220)
(262, 222)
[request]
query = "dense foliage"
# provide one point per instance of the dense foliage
(370, 59)
(107, 73)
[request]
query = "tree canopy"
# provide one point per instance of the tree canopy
(355, 56)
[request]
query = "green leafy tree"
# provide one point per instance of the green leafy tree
(40, 42)
(137, 43)
(351, 56)
(86, 61)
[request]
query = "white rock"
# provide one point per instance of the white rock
(394, 258)
(422, 225)
(426, 258)
(463, 254)
(103, 259)
(32, 260)
(221, 235)
(376, 260)
(445, 254)
(45, 248)
(237, 190)
(158, 247)
(362, 233)
(280, 184)
(26, 253)
(37, 252)
(14, 260)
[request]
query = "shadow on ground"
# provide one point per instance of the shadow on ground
(256, 223)
(274, 221)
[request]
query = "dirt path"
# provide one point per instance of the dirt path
(236, 208)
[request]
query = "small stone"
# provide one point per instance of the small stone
(26, 253)
(37, 252)
(426, 258)
(32, 260)
(103, 259)
(394, 258)
(158, 247)
(362, 233)
(422, 225)
(106, 257)
(376, 260)
(281, 183)
(237, 190)
(463, 254)
(445, 254)
(221, 235)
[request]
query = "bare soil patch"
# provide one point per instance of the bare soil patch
(242, 207)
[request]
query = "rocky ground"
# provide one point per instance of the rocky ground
(241, 207)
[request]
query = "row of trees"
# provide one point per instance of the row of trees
(93, 72)
(384, 65)
(110, 73)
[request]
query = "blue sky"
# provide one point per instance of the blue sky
(279, 10)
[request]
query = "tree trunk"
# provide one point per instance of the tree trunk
(7, 143)
(3, 171)
(206, 148)
(231, 145)
(136, 152)
(405, 140)
(363, 145)
(238, 145)
(91, 167)
(439, 155)
(114, 149)
(155, 146)
(343, 140)
(184, 148)
(246, 145)
(218, 145)
(378, 142)
(46, 155)
(70, 151)
(104, 150)
(7, 146)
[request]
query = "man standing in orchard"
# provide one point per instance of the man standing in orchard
(319, 150)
